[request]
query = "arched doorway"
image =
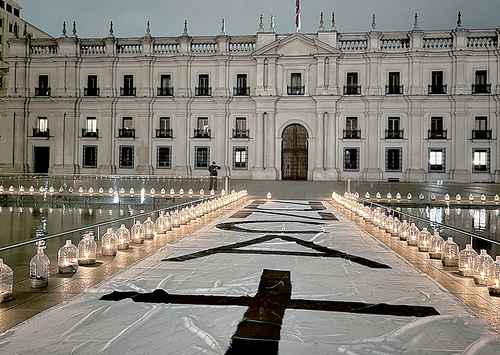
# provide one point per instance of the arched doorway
(294, 153)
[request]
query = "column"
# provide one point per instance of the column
(270, 142)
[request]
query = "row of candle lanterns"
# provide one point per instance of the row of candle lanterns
(433, 197)
(101, 192)
(481, 267)
(70, 256)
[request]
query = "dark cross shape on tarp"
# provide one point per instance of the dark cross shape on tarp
(321, 251)
(259, 330)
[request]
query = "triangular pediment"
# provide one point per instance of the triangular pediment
(295, 45)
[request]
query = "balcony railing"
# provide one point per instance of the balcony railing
(202, 133)
(91, 92)
(44, 133)
(164, 133)
(241, 91)
(481, 88)
(240, 133)
(127, 91)
(438, 89)
(352, 134)
(394, 89)
(90, 133)
(437, 134)
(42, 91)
(394, 134)
(203, 91)
(126, 133)
(295, 90)
(165, 91)
(481, 134)
(352, 89)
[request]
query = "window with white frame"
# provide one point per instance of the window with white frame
(126, 157)
(481, 160)
(42, 124)
(164, 157)
(240, 157)
(201, 157)
(91, 125)
(90, 156)
(351, 159)
(437, 160)
(393, 159)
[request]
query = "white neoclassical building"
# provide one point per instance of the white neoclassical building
(408, 106)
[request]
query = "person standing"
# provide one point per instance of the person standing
(212, 170)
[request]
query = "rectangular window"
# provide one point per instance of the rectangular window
(351, 123)
(241, 81)
(481, 160)
(437, 161)
(201, 157)
(43, 81)
(240, 158)
(90, 156)
(241, 123)
(351, 159)
(203, 81)
(2, 4)
(126, 157)
(481, 123)
(127, 123)
(394, 80)
(393, 124)
(1, 25)
(165, 81)
(16, 12)
(43, 124)
(164, 158)
(9, 8)
(296, 80)
(92, 82)
(202, 123)
(352, 79)
(393, 159)
(11, 28)
(164, 123)
(91, 125)
(128, 81)
(437, 79)
(436, 124)
(481, 77)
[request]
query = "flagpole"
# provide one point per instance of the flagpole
(298, 23)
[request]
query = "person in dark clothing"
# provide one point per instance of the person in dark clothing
(212, 170)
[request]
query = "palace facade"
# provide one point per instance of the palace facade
(408, 106)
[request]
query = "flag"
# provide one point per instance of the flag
(297, 15)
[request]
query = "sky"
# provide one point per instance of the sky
(241, 16)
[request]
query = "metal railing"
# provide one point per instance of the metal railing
(97, 227)
(437, 134)
(164, 133)
(88, 133)
(431, 225)
(481, 134)
(437, 89)
(394, 134)
(481, 88)
(165, 91)
(91, 92)
(352, 134)
(394, 89)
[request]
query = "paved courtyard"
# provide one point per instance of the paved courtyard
(276, 277)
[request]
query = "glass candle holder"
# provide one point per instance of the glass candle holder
(123, 236)
(109, 243)
(494, 289)
(39, 267)
(436, 246)
(483, 266)
(87, 250)
(466, 261)
(67, 258)
(137, 233)
(149, 229)
(449, 255)
(396, 227)
(424, 241)
(160, 224)
(413, 233)
(6, 282)
(403, 230)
